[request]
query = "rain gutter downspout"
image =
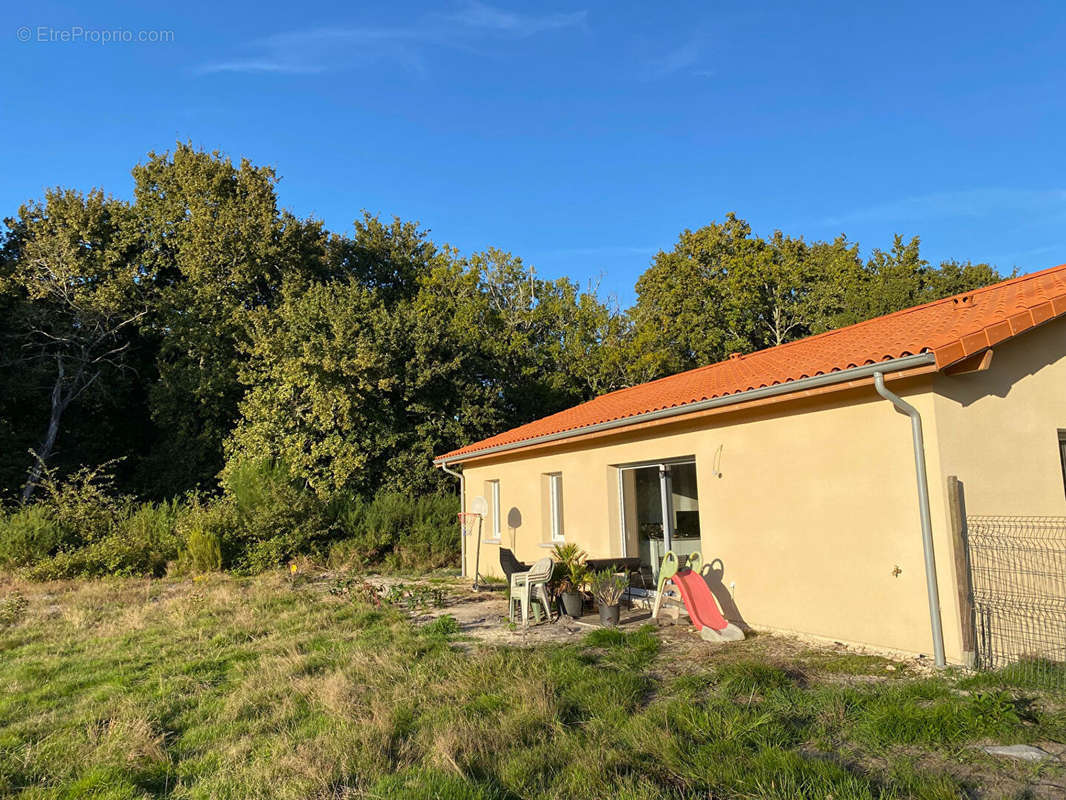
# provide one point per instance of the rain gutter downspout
(923, 509)
(462, 520)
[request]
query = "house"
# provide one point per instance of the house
(795, 473)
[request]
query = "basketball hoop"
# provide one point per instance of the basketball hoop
(470, 523)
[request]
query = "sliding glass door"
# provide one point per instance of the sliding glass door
(660, 512)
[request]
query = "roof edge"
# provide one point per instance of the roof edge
(991, 335)
(789, 387)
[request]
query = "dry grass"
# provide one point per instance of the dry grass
(266, 687)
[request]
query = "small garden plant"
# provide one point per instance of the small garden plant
(608, 587)
(413, 597)
(570, 576)
(570, 572)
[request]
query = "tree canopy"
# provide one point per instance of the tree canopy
(199, 326)
(722, 289)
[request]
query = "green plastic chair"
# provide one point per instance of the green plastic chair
(527, 587)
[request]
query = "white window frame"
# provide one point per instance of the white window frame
(679, 460)
(555, 506)
(497, 531)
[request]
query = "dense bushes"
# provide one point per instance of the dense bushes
(28, 535)
(263, 519)
(79, 527)
(403, 531)
(127, 538)
(139, 539)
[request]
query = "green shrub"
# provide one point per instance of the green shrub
(64, 564)
(402, 531)
(12, 608)
(27, 535)
(141, 542)
(277, 517)
(86, 519)
(253, 485)
(264, 518)
(372, 528)
(608, 587)
(202, 553)
(345, 555)
(209, 533)
(82, 504)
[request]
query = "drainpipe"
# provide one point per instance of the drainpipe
(462, 521)
(923, 508)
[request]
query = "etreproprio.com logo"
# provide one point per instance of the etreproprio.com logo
(79, 34)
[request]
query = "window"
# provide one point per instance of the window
(555, 505)
(1062, 456)
(494, 509)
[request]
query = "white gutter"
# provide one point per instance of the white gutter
(462, 520)
(918, 442)
(799, 385)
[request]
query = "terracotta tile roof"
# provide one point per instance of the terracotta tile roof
(951, 329)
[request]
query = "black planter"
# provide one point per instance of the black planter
(572, 602)
(609, 615)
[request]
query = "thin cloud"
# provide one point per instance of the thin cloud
(327, 48)
(964, 203)
(340, 35)
(253, 65)
(680, 59)
(479, 15)
(1032, 255)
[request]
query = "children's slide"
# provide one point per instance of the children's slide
(690, 590)
(698, 600)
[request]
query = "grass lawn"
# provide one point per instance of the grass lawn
(260, 687)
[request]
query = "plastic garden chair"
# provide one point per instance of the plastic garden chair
(529, 586)
(510, 565)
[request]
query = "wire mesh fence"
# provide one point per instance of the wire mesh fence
(1018, 576)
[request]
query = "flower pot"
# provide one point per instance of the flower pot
(609, 615)
(572, 602)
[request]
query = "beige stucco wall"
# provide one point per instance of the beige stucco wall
(816, 502)
(999, 428)
(814, 508)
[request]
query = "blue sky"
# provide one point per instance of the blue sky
(583, 137)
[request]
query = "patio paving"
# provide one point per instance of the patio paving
(483, 616)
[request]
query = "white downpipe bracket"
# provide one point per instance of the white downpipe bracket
(462, 509)
(918, 441)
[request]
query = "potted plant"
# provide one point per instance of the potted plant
(572, 575)
(608, 588)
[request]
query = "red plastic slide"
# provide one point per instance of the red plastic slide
(699, 602)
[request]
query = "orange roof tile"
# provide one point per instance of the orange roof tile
(951, 329)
